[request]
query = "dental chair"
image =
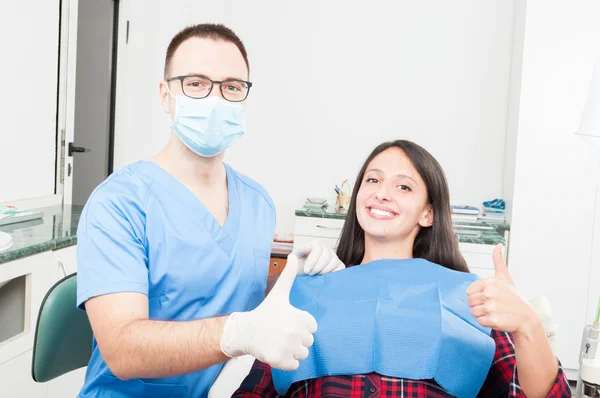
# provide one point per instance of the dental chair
(63, 335)
(542, 307)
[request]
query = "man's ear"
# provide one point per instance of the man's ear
(164, 96)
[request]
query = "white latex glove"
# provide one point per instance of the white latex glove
(275, 333)
(315, 258)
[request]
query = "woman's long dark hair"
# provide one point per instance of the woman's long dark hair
(437, 243)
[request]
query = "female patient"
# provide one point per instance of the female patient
(400, 210)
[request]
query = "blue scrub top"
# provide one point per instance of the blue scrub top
(143, 231)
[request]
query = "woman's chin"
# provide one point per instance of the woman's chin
(378, 235)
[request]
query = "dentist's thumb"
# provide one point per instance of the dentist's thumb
(284, 283)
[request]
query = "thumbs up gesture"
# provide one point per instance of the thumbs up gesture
(275, 332)
(496, 303)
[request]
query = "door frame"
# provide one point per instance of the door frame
(66, 98)
(114, 58)
(69, 13)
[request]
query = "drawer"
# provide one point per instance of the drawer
(477, 248)
(300, 241)
(318, 227)
(482, 272)
(276, 265)
(478, 255)
(478, 260)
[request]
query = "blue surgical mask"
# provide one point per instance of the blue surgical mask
(208, 126)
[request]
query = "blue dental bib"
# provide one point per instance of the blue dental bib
(400, 318)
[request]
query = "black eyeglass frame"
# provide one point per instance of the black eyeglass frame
(212, 84)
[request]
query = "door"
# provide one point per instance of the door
(86, 145)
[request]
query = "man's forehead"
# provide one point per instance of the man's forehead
(216, 59)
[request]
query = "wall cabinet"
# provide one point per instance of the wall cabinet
(31, 277)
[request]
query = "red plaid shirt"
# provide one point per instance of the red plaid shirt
(501, 381)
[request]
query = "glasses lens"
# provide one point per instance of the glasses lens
(234, 90)
(196, 87)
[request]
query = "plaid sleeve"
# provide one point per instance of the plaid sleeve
(258, 383)
(502, 379)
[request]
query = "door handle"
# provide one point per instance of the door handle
(62, 265)
(77, 149)
(332, 228)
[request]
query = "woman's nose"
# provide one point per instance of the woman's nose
(382, 194)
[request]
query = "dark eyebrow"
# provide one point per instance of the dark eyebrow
(206, 77)
(397, 175)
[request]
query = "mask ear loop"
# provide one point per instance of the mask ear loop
(172, 96)
(169, 91)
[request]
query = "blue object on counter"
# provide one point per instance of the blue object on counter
(400, 318)
(495, 204)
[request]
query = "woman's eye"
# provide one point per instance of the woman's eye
(404, 187)
(372, 180)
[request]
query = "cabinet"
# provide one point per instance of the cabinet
(67, 385)
(479, 258)
(15, 378)
(16, 382)
(326, 230)
(35, 271)
(276, 265)
(16, 353)
(64, 262)
(38, 273)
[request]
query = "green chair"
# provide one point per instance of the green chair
(63, 336)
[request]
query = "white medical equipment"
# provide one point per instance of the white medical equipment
(588, 380)
(542, 307)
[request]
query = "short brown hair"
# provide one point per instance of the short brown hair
(204, 31)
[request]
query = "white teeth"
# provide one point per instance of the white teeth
(382, 213)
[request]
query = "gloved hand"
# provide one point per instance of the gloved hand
(275, 332)
(315, 258)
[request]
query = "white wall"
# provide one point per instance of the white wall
(334, 79)
(510, 148)
(554, 200)
(29, 48)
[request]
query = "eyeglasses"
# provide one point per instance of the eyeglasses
(198, 86)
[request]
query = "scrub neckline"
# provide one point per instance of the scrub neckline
(195, 205)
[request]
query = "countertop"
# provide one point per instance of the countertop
(57, 229)
(478, 232)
